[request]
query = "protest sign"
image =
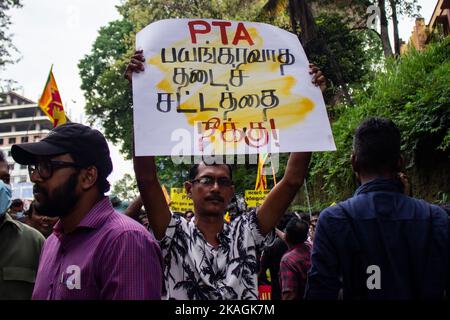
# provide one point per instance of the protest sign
(255, 198)
(180, 201)
(225, 87)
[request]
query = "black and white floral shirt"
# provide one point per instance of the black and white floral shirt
(195, 270)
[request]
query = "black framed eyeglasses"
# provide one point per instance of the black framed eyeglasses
(210, 181)
(46, 168)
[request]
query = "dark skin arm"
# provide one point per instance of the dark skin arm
(150, 190)
(152, 196)
(273, 208)
(133, 209)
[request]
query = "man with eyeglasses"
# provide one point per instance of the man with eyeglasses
(94, 251)
(206, 258)
(20, 247)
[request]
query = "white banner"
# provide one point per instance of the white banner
(225, 87)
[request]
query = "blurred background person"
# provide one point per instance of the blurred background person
(44, 224)
(16, 211)
(20, 247)
(296, 261)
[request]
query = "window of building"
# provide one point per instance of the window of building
(24, 139)
(23, 179)
(26, 126)
(12, 140)
(1, 141)
(9, 153)
(37, 138)
(5, 127)
(23, 166)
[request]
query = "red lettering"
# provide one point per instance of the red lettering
(242, 34)
(223, 33)
(194, 31)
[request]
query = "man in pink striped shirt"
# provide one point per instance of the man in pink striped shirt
(94, 251)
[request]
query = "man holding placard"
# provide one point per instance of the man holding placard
(205, 258)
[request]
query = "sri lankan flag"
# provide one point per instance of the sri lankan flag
(261, 181)
(166, 194)
(50, 102)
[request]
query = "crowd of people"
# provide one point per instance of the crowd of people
(378, 244)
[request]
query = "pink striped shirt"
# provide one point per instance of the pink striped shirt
(108, 256)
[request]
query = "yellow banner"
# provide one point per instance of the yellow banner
(180, 201)
(50, 102)
(255, 198)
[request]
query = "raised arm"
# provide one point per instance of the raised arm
(134, 208)
(152, 196)
(281, 196)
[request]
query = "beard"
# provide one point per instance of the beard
(60, 202)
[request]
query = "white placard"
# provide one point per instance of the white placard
(225, 87)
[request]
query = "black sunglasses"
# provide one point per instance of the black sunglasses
(46, 168)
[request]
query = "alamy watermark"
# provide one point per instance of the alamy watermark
(227, 145)
(374, 16)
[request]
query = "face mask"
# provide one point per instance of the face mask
(19, 215)
(5, 197)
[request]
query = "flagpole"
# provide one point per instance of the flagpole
(46, 82)
(307, 198)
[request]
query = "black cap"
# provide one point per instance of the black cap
(87, 146)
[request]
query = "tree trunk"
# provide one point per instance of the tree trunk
(292, 17)
(305, 19)
(395, 23)
(387, 49)
(300, 11)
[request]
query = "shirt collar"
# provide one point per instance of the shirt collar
(93, 219)
(380, 184)
(9, 219)
(298, 246)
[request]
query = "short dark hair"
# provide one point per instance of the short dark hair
(305, 216)
(377, 145)
(193, 171)
(285, 219)
(296, 231)
(16, 202)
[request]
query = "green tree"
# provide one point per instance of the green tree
(391, 10)
(413, 91)
(126, 188)
(7, 48)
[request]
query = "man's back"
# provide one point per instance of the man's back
(294, 267)
(408, 239)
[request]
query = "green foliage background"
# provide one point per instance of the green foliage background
(414, 92)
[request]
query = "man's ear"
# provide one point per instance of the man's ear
(89, 177)
(354, 161)
(188, 188)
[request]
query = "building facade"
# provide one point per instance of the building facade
(438, 26)
(21, 121)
